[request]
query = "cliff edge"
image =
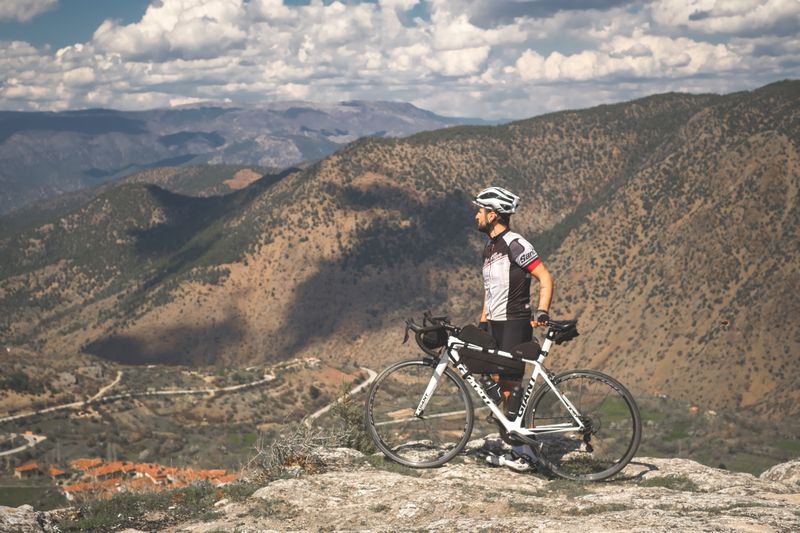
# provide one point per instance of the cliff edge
(351, 491)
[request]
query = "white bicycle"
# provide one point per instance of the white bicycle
(582, 424)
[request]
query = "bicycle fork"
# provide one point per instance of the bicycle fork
(431, 388)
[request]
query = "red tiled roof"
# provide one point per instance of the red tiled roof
(91, 485)
(77, 487)
(207, 474)
(86, 464)
(27, 467)
(223, 480)
(138, 484)
(117, 467)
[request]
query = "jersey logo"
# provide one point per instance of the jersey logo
(494, 257)
(526, 258)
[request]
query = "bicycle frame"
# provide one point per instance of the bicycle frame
(451, 354)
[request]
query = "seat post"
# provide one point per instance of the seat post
(548, 342)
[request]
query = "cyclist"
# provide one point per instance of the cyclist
(509, 262)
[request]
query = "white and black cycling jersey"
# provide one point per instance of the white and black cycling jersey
(508, 261)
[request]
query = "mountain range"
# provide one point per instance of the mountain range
(43, 154)
(670, 224)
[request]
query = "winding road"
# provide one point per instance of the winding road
(101, 397)
(316, 414)
(33, 440)
(108, 387)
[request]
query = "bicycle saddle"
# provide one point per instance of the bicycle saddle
(563, 330)
(561, 325)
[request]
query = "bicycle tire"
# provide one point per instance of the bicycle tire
(614, 426)
(426, 442)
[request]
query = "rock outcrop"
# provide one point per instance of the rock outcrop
(788, 473)
(366, 493)
(650, 495)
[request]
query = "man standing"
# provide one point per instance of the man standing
(509, 262)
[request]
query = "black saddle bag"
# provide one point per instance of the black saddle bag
(479, 362)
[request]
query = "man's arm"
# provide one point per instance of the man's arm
(545, 293)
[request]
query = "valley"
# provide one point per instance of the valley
(197, 420)
(670, 224)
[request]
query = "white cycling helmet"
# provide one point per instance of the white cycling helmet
(497, 199)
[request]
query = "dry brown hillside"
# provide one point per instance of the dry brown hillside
(670, 222)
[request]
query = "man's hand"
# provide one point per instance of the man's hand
(541, 318)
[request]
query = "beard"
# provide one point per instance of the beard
(484, 227)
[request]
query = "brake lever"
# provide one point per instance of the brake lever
(405, 337)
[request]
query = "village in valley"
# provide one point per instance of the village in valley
(148, 429)
(93, 478)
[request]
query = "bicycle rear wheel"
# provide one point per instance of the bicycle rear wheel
(420, 442)
(608, 411)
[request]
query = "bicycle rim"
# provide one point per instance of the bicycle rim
(419, 442)
(609, 412)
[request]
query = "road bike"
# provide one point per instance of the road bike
(581, 424)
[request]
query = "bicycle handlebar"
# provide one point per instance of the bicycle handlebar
(437, 322)
(416, 328)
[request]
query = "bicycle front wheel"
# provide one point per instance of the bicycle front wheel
(613, 426)
(419, 442)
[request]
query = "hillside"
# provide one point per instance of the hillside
(191, 180)
(44, 154)
(670, 224)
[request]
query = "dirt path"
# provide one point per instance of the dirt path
(99, 397)
(313, 416)
(108, 387)
(33, 440)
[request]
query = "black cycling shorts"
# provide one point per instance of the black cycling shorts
(509, 333)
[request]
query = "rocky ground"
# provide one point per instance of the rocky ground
(364, 493)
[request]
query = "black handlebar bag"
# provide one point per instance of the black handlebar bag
(479, 362)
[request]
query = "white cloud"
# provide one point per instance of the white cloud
(475, 57)
(17, 49)
(402, 5)
(531, 65)
(184, 101)
(728, 16)
(24, 10)
(189, 29)
(295, 90)
(640, 55)
(271, 10)
(79, 77)
(460, 62)
(454, 33)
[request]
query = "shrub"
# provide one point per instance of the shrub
(20, 382)
(129, 510)
(297, 450)
(681, 483)
(289, 454)
(350, 430)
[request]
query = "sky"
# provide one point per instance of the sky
(478, 58)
